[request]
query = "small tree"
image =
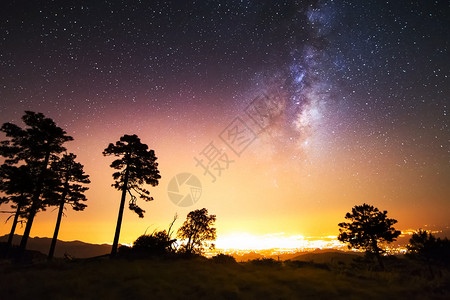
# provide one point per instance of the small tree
(197, 231)
(71, 189)
(33, 146)
(137, 165)
(368, 227)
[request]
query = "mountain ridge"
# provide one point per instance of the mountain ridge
(76, 249)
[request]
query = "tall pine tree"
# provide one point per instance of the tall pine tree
(136, 166)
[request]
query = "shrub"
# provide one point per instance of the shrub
(223, 259)
(157, 243)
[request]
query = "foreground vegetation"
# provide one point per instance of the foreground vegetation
(200, 278)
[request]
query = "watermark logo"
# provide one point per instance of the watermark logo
(184, 189)
(213, 161)
(240, 134)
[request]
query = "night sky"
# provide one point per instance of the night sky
(362, 98)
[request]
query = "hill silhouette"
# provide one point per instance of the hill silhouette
(75, 249)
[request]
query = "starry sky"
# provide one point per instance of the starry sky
(360, 94)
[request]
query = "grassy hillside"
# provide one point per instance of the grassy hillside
(205, 279)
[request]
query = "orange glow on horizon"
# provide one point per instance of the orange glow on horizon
(247, 241)
(261, 193)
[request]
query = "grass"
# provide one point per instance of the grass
(205, 279)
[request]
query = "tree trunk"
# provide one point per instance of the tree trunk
(377, 252)
(119, 218)
(13, 228)
(58, 223)
(34, 205)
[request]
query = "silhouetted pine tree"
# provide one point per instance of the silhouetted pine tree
(137, 165)
(35, 146)
(71, 189)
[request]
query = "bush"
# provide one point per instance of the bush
(223, 259)
(155, 244)
(124, 250)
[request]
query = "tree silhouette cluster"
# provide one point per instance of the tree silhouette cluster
(38, 173)
(424, 246)
(369, 228)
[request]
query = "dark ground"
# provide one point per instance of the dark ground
(200, 278)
